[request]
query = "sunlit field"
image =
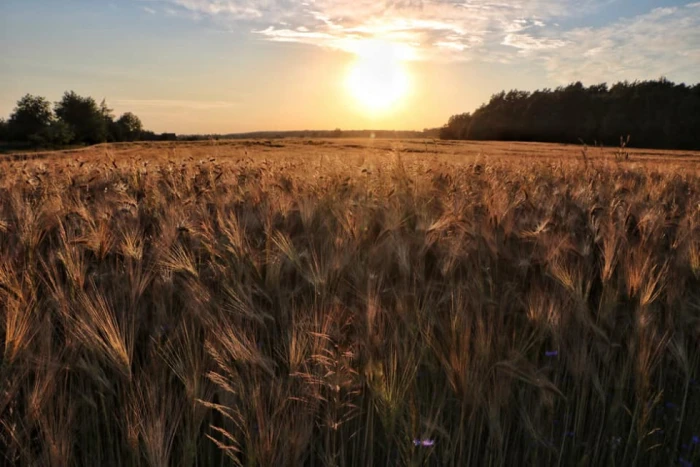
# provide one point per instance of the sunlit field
(350, 303)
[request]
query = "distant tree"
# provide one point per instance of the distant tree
(431, 132)
(457, 127)
(148, 135)
(58, 133)
(31, 117)
(130, 127)
(655, 113)
(337, 133)
(4, 132)
(83, 116)
(111, 130)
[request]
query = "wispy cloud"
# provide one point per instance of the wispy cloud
(663, 40)
(430, 29)
(527, 42)
(239, 9)
(149, 10)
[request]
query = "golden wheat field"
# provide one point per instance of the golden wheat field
(350, 303)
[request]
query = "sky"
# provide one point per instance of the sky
(223, 66)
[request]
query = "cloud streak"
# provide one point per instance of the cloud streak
(662, 41)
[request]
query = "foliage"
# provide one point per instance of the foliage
(457, 127)
(31, 117)
(56, 134)
(657, 114)
(107, 115)
(83, 116)
(77, 120)
(4, 130)
(130, 127)
(327, 309)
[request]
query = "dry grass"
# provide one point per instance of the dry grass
(331, 302)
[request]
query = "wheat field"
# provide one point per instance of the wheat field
(350, 303)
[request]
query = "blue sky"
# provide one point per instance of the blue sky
(240, 65)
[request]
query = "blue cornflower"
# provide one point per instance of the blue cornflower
(551, 353)
(423, 442)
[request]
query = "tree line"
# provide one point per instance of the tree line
(74, 120)
(653, 114)
(336, 133)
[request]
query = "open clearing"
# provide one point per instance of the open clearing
(349, 303)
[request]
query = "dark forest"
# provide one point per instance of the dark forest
(653, 114)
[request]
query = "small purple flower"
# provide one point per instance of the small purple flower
(670, 405)
(684, 462)
(695, 439)
(551, 353)
(570, 434)
(162, 330)
(423, 442)
(685, 447)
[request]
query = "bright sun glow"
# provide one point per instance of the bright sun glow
(378, 80)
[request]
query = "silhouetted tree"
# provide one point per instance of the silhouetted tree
(457, 127)
(655, 113)
(83, 117)
(31, 117)
(111, 131)
(56, 134)
(147, 135)
(130, 127)
(75, 119)
(4, 132)
(431, 132)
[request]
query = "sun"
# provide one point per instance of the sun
(378, 80)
